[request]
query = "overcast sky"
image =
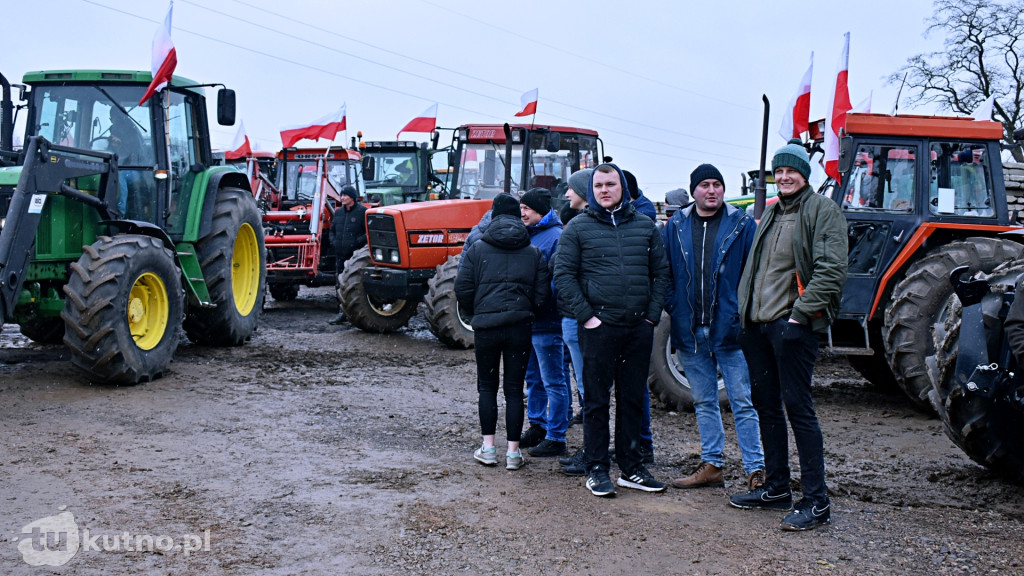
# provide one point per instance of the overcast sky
(668, 85)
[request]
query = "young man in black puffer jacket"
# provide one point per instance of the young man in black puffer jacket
(503, 280)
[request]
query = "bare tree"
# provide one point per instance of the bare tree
(981, 57)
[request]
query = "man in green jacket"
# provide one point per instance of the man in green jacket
(789, 294)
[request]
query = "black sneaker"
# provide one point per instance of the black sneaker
(807, 516)
(762, 499)
(576, 458)
(535, 435)
(577, 419)
(577, 464)
(641, 479)
(341, 318)
(547, 449)
(600, 484)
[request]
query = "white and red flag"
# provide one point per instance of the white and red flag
(529, 102)
(165, 58)
(425, 122)
(984, 110)
(240, 146)
(838, 106)
(326, 127)
(864, 106)
(795, 120)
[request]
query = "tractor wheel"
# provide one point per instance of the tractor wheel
(989, 429)
(284, 292)
(947, 342)
(43, 330)
(233, 259)
(123, 310)
(918, 305)
(667, 378)
(446, 320)
(365, 311)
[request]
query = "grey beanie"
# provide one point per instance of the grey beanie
(793, 155)
(579, 181)
(702, 173)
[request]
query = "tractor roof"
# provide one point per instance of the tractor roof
(336, 153)
(496, 132)
(923, 126)
(100, 76)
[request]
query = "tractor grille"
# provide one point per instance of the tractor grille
(380, 230)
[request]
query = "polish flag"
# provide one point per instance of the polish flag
(529, 102)
(984, 110)
(165, 58)
(837, 109)
(240, 146)
(795, 122)
(425, 122)
(326, 127)
(864, 107)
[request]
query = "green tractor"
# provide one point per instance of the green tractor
(119, 231)
(397, 172)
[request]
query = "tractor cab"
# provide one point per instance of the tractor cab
(541, 156)
(297, 173)
(402, 171)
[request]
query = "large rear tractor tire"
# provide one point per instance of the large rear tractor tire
(233, 259)
(918, 305)
(667, 378)
(43, 330)
(123, 310)
(366, 311)
(446, 320)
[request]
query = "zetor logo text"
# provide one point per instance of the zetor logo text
(430, 239)
(54, 541)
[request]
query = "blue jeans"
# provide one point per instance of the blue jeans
(781, 358)
(571, 336)
(548, 400)
(702, 372)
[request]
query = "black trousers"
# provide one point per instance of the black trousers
(780, 356)
(619, 357)
(511, 345)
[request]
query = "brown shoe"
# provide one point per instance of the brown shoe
(755, 480)
(705, 475)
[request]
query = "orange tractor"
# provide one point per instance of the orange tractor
(413, 249)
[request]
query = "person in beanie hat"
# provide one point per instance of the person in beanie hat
(547, 396)
(789, 294)
(348, 234)
(707, 244)
(502, 282)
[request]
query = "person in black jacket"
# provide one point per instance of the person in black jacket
(612, 271)
(502, 281)
(348, 234)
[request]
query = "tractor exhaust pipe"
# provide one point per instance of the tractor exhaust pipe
(508, 158)
(6, 116)
(760, 188)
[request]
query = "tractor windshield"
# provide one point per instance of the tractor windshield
(961, 180)
(395, 169)
(550, 167)
(95, 117)
(482, 170)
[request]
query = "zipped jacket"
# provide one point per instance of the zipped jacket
(731, 247)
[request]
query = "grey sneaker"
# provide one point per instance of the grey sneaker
(514, 460)
(486, 456)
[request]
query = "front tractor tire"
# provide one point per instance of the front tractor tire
(366, 311)
(918, 305)
(233, 260)
(446, 320)
(667, 377)
(123, 310)
(43, 330)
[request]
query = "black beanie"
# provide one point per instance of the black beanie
(539, 199)
(634, 189)
(705, 172)
(350, 190)
(505, 204)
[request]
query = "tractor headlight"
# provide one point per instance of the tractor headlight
(393, 254)
(378, 254)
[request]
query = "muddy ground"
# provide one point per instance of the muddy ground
(321, 449)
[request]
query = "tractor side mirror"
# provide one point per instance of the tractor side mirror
(553, 142)
(846, 154)
(369, 167)
(434, 137)
(225, 107)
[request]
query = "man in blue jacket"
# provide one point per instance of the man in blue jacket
(611, 271)
(707, 244)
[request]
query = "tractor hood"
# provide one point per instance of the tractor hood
(10, 175)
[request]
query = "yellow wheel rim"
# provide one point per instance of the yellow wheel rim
(245, 270)
(148, 310)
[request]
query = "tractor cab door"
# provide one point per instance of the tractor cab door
(879, 196)
(183, 158)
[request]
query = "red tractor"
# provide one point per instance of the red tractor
(413, 249)
(297, 214)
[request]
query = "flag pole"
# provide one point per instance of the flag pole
(167, 143)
